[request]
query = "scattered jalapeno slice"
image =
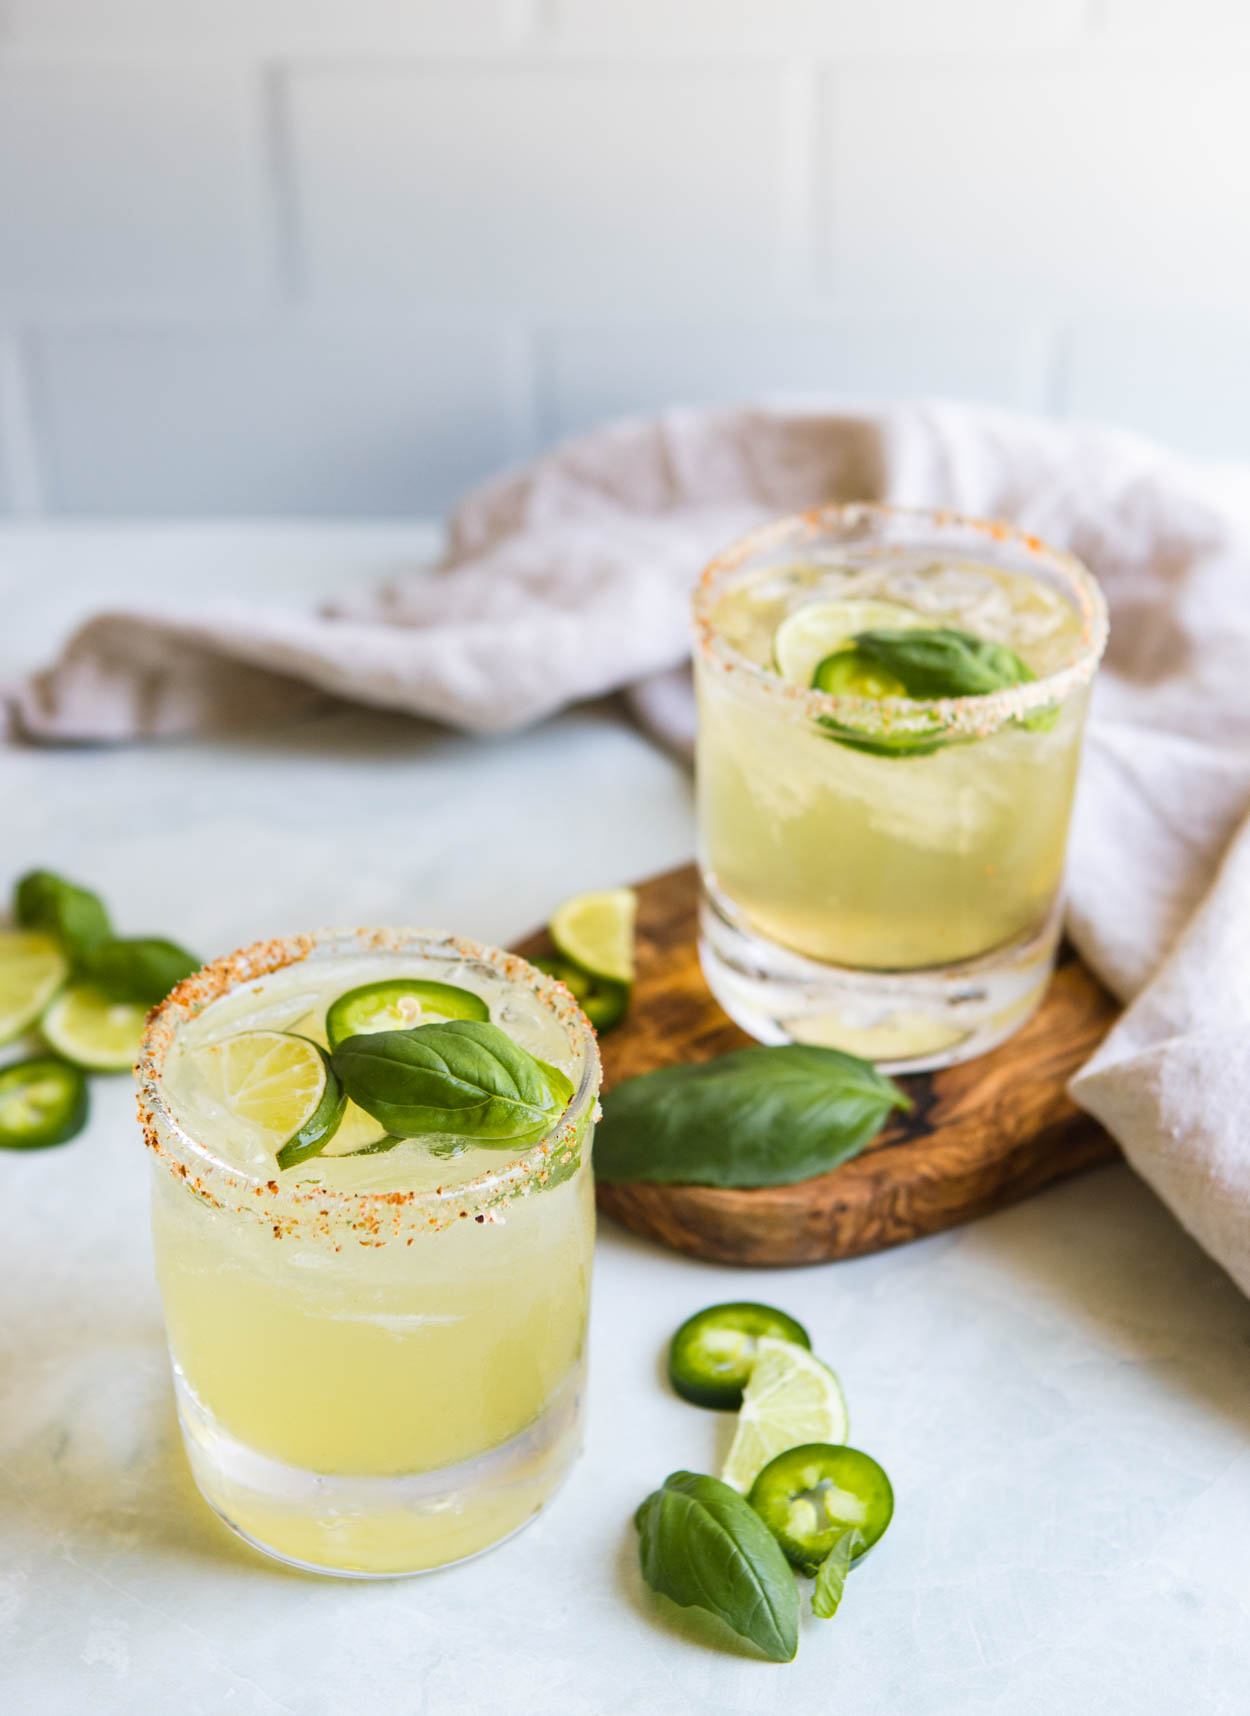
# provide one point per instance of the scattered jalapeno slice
(43, 1100)
(808, 1496)
(602, 999)
(712, 1353)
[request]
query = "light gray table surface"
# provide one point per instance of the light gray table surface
(1061, 1393)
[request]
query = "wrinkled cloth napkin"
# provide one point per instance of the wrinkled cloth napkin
(571, 578)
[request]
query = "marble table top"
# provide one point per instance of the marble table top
(1061, 1393)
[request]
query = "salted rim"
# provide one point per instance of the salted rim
(971, 715)
(370, 1217)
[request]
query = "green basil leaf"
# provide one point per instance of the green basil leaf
(941, 662)
(705, 1547)
(75, 916)
(139, 969)
(832, 1572)
(756, 1117)
(462, 1078)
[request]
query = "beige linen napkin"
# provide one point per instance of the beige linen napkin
(571, 578)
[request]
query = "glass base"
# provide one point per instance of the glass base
(904, 1021)
(381, 1527)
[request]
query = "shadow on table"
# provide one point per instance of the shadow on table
(92, 1454)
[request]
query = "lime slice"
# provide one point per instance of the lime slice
(596, 931)
(790, 1398)
(282, 1085)
(809, 634)
(358, 1134)
(92, 1031)
(32, 969)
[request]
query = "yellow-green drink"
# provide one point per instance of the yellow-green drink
(882, 868)
(378, 1349)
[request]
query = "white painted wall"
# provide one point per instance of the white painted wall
(347, 256)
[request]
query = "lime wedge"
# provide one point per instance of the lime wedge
(809, 634)
(92, 1031)
(282, 1085)
(32, 969)
(357, 1134)
(790, 1398)
(596, 931)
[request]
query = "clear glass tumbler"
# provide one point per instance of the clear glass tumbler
(379, 1361)
(882, 873)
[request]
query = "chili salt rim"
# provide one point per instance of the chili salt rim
(368, 1217)
(974, 716)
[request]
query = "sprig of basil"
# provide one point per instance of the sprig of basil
(139, 969)
(75, 916)
(463, 1078)
(928, 662)
(756, 1117)
(941, 661)
(705, 1547)
(832, 1572)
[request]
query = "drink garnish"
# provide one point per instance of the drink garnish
(397, 1004)
(465, 1078)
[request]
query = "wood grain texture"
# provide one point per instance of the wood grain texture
(981, 1135)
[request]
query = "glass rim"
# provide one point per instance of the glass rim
(371, 1217)
(972, 715)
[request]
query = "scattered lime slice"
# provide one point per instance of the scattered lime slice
(92, 1031)
(42, 1101)
(281, 1084)
(398, 1004)
(596, 931)
(32, 969)
(790, 1398)
(809, 634)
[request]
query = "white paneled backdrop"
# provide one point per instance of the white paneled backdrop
(265, 257)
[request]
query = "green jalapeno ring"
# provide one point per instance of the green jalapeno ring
(810, 1495)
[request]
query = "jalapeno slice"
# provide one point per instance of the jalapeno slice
(43, 1100)
(808, 1496)
(397, 1003)
(602, 999)
(712, 1353)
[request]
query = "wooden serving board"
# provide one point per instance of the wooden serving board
(981, 1135)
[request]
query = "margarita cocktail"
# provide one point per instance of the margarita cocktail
(377, 1326)
(890, 716)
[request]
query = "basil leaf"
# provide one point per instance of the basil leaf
(139, 969)
(705, 1547)
(756, 1117)
(927, 662)
(941, 662)
(74, 915)
(463, 1078)
(832, 1572)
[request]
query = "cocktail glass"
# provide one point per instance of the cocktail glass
(883, 874)
(379, 1363)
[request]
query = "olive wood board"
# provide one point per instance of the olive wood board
(980, 1135)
